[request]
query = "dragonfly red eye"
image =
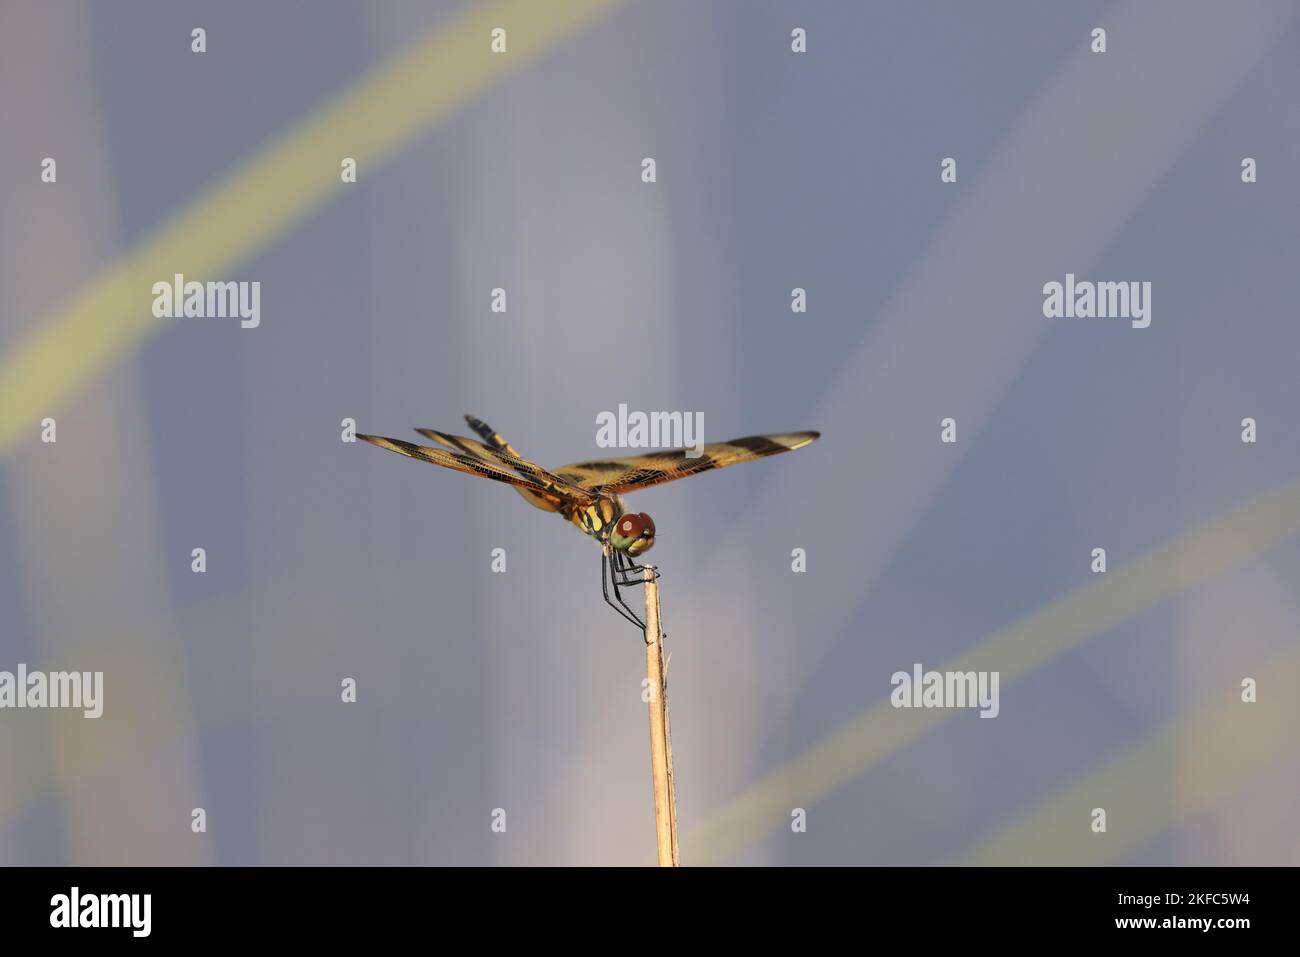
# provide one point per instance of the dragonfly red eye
(631, 526)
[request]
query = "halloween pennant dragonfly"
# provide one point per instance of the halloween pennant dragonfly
(590, 494)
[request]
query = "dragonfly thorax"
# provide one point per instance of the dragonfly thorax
(598, 518)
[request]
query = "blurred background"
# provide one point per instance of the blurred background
(521, 691)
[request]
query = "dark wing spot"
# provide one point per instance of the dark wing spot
(602, 466)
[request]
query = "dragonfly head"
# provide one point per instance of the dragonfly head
(633, 533)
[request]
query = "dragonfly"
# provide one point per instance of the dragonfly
(590, 494)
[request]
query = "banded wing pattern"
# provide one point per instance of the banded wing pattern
(612, 476)
(498, 455)
(499, 466)
(490, 435)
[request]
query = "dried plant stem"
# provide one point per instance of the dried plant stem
(661, 738)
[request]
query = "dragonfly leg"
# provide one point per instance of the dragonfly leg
(625, 572)
(629, 572)
(606, 579)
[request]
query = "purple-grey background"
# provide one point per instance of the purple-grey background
(775, 170)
